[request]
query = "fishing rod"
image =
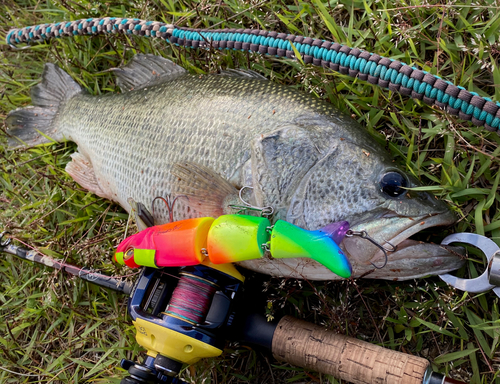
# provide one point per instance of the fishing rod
(384, 72)
(184, 314)
(83, 273)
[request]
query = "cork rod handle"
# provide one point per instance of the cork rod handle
(313, 347)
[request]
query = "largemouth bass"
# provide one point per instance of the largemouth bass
(206, 137)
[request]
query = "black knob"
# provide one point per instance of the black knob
(139, 374)
(167, 366)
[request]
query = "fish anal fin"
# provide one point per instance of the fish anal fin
(146, 70)
(81, 170)
(207, 191)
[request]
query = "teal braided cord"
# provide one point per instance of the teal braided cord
(387, 73)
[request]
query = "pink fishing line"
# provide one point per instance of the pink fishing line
(191, 299)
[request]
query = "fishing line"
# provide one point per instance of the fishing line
(191, 298)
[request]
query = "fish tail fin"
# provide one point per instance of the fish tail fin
(34, 125)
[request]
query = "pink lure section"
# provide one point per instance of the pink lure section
(175, 244)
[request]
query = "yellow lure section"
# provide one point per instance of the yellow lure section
(234, 238)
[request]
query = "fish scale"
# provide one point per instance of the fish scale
(205, 137)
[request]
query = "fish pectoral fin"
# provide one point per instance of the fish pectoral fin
(207, 192)
(146, 70)
(81, 170)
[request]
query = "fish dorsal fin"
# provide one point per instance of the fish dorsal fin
(207, 191)
(146, 70)
(243, 73)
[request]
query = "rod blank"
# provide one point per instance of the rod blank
(82, 272)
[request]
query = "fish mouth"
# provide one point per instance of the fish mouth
(411, 258)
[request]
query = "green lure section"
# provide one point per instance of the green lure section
(289, 241)
(232, 238)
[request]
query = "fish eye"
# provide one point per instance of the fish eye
(393, 184)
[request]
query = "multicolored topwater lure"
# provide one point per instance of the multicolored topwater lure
(233, 238)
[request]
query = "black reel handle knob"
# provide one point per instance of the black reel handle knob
(139, 374)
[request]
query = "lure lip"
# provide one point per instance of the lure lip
(336, 231)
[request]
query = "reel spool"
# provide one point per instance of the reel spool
(180, 315)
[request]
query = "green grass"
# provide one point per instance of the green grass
(55, 329)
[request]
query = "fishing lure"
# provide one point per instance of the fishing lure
(233, 238)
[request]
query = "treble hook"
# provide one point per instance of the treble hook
(168, 203)
(264, 211)
(364, 235)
